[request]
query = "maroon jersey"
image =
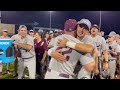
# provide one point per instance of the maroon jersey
(40, 47)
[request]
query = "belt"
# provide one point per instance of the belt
(28, 57)
(112, 59)
(61, 74)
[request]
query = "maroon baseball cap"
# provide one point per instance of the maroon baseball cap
(70, 25)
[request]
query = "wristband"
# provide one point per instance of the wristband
(71, 44)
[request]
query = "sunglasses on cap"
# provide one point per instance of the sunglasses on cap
(82, 25)
(5, 31)
(31, 32)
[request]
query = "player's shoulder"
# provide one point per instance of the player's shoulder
(88, 37)
(29, 37)
(14, 36)
(58, 37)
(101, 38)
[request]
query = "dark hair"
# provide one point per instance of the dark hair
(40, 34)
(82, 25)
(110, 47)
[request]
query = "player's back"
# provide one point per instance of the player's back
(72, 55)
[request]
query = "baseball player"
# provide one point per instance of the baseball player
(117, 38)
(26, 46)
(17, 38)
(113, 49)
(64, 70)
(31, 33)
(52, 38)
(101, 45)
(5, 36)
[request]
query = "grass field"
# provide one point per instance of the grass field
(9, 76)
(4, 73)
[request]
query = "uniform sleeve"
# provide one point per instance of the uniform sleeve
(30, 41)
(104, 45)
(90, 41)
(118, 49)
(45, 45)
(13, 37)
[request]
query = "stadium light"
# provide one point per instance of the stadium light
(0, 16)
(50, 18)
(100, 20)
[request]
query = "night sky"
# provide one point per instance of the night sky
(110, 19)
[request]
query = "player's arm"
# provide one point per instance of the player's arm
(95, 56)
(105, 55)
(105, 51)
(84, 48)
(27, 46)
(116, 52)
(57, 55)
(45, 52)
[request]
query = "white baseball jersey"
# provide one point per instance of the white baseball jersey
(27, 40)
(87, 39)
(1, 37)
(115, 47)
(100, 44)
(16, 38)
(72, 55)
(52, 41)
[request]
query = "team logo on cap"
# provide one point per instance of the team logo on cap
(70, 29)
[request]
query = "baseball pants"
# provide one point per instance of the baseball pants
(30, 64)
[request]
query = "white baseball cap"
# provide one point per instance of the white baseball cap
(56, 30)
(86, 22)
(22, 26)
(51, 32)
(112, 34)
(40, 30)
(31, 30)
(5, 30)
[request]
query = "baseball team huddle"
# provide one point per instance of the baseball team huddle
(80, 51)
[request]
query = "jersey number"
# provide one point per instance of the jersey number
(65, 52)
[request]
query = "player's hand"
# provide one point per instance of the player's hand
(62, 43)
(15, 43)
(105, 66)
(96, 71)
(42, 62)
(58, 56)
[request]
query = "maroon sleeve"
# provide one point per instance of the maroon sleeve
(45, 45)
